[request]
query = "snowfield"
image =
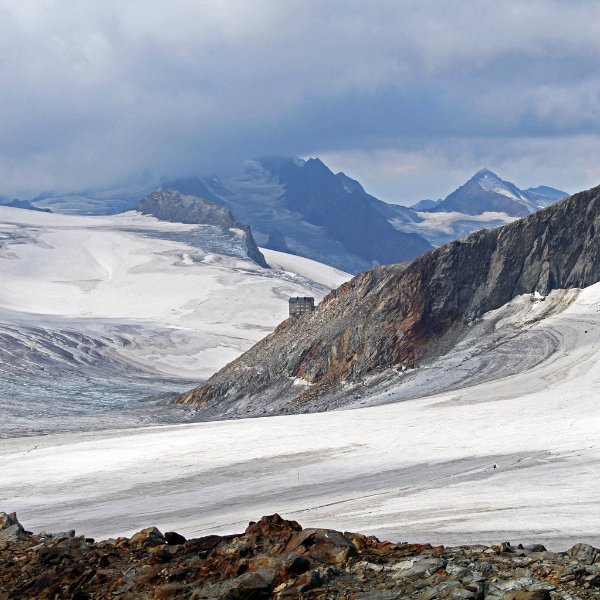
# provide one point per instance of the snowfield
(120, 268)
(305, 267)
(514, 456)
(92, 306)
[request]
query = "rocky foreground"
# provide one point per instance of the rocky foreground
(275, 558)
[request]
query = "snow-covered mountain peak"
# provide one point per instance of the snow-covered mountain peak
(485, 172)
(487, 192)
(490, 182)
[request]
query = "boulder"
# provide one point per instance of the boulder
(323, 545)
(150, 536)
(10, 528)
(271, 529)
(584, 553)
(174, 539)
(419, 566)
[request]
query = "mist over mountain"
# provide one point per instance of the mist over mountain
(302, 207)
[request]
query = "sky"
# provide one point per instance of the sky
(409, 97)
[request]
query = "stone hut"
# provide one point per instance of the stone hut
(301, 305)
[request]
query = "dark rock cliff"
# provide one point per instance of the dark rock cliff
(398, 314)
(173, 206)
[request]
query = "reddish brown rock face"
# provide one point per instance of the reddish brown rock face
(394, 316)
(276, 558)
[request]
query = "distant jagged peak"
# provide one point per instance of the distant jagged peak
(548, 192)
(425, 204)
(350, 185)
(485, 191)
(490, 182)
(485, 176)
(317, 162)
(485, 172)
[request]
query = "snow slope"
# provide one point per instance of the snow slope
(131, 296)
(422, 469)
(305, 267)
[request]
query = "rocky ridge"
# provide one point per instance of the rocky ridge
(173, 206)
(276, 558)
(399, 315)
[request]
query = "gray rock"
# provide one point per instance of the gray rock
(417, 567)
(463, 574)
(500, 590)
(536, 548)
(10, 528)
(454, 590)
(173, 206)
(584, 553)
(63, 534)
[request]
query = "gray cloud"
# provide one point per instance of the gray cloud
(96, 92)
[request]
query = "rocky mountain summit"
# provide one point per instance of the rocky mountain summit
(302, 205)
(276, 558)
(173, 206)
(486, 192)
(393, 317)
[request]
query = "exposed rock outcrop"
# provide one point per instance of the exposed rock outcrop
(10, 528)
(397, 315)
(276, 558)
(173, 206)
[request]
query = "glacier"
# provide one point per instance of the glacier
(416, 470)
(103, 317)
